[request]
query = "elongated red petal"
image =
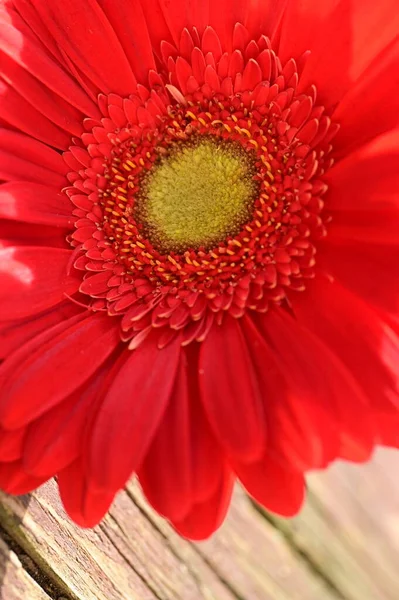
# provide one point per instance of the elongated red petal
(374, 96)
(184, 463)
(130, 25)
(300, 433)
(18, 44)
(56, 439)
(25, 159)
(53, 365)
(11, 444)
(14, 334)
(323, 385)
(368, 240)
(366, 180)
(230, 392)
(357, 334)
(86, 35)
(300, 23)
(131, 412)
(346, 44)
(20, 113)
(35, 203)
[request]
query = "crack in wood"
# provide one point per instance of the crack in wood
(31, 567)
(304, 556)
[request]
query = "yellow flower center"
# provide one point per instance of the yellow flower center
(197, 195)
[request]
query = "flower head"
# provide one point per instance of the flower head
(198, 248)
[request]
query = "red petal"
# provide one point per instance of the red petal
(322, 385)
(366, 345)
(130, 26)
(86, 36)
(51, 366)
(83, 503)
(363, 195)
(206, 517)
(368, 269)
(230, 393)
(299, 435)
(368, 179)
(11, 444)
(345, 45)
(156, 24)
(56, 439)
(14, 480)
(131, 412)
(14, 334)
(32, 279)
(177, 15)
(276, 487)
(184, 463)
(263, 17)
(34, 203)
(34, 58)
(388, 429)
(48, 104)
(23, 116)
(26, 159)
(223, 16)
(300, 23)
(15, 234)
(374, 96)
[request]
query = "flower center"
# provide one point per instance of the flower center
(201, 192)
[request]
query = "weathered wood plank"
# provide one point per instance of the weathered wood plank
(349, 527)
(135, 554)
(83, 563)
(344, 546)
(16, 584)
(250, 555)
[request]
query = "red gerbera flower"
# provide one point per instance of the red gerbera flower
(199, 255)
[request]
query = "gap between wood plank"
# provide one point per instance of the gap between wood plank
(50, 587)
(304, 556)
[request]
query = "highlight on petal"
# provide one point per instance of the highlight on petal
(32, 279)
(34, 203)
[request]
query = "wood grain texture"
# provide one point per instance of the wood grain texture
(343, 546)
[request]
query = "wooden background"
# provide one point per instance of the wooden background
(343, 546)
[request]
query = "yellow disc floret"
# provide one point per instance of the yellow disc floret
(197, 195)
